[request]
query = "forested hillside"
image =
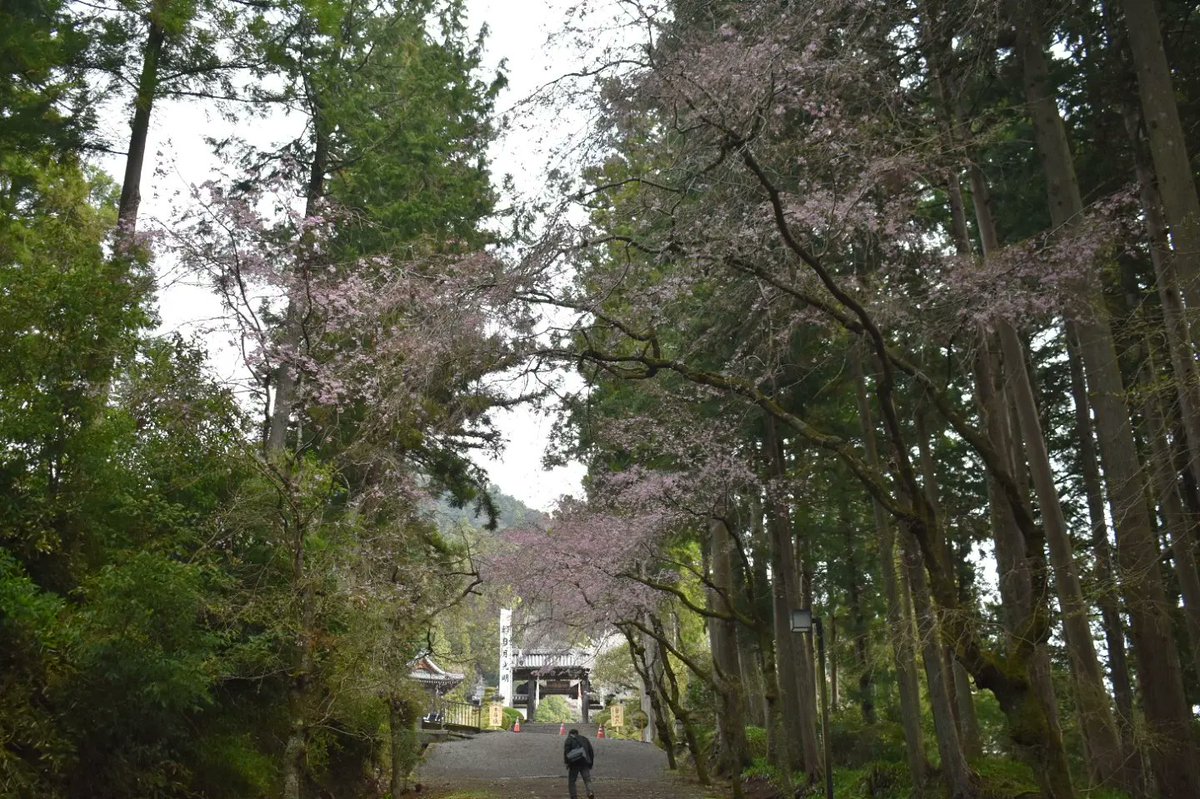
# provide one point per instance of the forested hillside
(506, 511)
(881, 311)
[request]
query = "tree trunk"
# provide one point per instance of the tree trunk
(284, 376)
(294, 755)
(1015, 559)
(1030, 708)
(403, 743)
(763, 601)
(649, 703)
(965, 721)
(733, 749)
(648, 665)
(143, 105)
(1167, 281)
(1016, 590)
(938, 673)
(296, 749)
(1166, 483)
(968, 719)
(899, 623)
(798, 719)
(1167, 714)
(761, 609)
(859, 636)
(964, 696)
(673, 700)
(1091, 696)
(776, 745)
(955, 770)
(1168, 147)
(750, 658)
(806, 669)
(833, 670)
(862, 654)
(666, 734)
(1186, 384)
(1105, 588)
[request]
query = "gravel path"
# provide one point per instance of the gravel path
(508, 765)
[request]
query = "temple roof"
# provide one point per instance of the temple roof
(426, 672)
(553, 664)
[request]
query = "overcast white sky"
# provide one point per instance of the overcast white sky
(519, 33)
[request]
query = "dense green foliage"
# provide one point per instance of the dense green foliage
(175, 599)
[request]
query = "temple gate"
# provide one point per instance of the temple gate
(526, 677)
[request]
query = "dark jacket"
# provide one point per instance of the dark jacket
(574, 741)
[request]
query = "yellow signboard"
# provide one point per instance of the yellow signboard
(616, 717)
(495, 715)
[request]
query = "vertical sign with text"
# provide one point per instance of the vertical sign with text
(505, 690)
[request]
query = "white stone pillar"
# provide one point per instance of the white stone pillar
(505, 689)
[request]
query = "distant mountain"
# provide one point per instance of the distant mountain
(511, 512)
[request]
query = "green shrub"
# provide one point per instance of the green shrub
(554, 708)
(705, 737)
(760, 769)
(32, 649)
(1005, 778)
(854, 744)
(885, 780)
(231, 765)
(756, 737)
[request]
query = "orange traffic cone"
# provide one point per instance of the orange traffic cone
(517, 725)
(562, 728)
(600, 734)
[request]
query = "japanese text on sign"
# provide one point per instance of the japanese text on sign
(505, 689)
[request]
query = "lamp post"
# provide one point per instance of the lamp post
(803, 621)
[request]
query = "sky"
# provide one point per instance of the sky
(519, 36)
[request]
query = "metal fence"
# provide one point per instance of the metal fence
(448, 714)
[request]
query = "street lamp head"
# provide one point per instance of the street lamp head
(802, 620)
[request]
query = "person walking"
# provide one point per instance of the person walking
(578, 755)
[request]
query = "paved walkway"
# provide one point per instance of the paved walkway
(506, 765)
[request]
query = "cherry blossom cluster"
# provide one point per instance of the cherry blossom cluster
(602, 561)
(1042, 278)
(376, 331)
